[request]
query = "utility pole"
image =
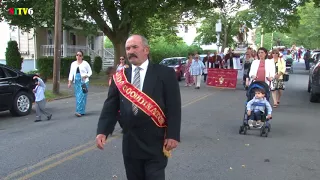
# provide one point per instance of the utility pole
(57, 46)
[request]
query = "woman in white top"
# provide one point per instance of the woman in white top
(262, 69)
(122, 64)
(80, 71)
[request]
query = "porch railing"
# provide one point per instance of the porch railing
(107, 54)
(48, 50)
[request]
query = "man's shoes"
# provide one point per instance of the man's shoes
(38, 120)
(49, 117)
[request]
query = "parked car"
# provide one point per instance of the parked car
(16, 91)
(314, 78)
(178, 63)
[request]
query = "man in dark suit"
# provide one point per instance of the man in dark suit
(143, 140)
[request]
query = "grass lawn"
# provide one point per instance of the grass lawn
(95, 79)
(51, 96)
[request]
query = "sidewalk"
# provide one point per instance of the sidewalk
(92, 89)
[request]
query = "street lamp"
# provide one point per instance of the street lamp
(218, 31)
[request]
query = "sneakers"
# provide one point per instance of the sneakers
(250, 123)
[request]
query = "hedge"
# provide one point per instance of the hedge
(97, 64)
(45, 66)
(13, 56)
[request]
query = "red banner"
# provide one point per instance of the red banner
(222, 78)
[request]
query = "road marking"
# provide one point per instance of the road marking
(76, 154)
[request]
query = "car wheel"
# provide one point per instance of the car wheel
(22, 104)
(309, 86)
(313, 96)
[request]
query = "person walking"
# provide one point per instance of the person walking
(278, 83)
(148, 96)
(188, 77)
(122, 64)
(79, 74)
(40, 99)
(196, 70)
(262, 69)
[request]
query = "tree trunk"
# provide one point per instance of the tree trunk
(119, 48)
(225, 39)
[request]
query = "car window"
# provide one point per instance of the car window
(2, 74)
(10, 73)
(184, 61)
(170, 62)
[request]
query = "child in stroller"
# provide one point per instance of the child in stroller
(258, 109)
(258, 104)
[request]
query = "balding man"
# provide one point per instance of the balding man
(149, 100)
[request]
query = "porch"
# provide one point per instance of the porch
(107, 54)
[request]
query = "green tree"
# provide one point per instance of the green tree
(108, 43)
(117, 19)
(13, 56)
(307, 33)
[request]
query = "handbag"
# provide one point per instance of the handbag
(84, 88)
(285, 77)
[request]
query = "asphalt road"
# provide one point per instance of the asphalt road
(211, 148)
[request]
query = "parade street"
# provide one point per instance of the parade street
(211, 147)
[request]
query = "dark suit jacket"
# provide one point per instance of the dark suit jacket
(141, 137)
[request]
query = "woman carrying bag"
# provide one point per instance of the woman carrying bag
(80, 71)
(278, 82)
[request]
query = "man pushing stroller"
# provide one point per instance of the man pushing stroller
(256, 109)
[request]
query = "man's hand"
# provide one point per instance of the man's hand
(249, 112)
(69, 85)
(170, 144)
(101, 140)
(35, 77)
(269, 116)
(277, 76)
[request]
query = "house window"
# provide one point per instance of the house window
(185, 29)
(91, 42)
(50, 37)
(73, 39)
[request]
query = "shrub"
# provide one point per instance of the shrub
(97, 64)
(45, 66)
(13, 56)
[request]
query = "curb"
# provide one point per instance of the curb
(59, 98)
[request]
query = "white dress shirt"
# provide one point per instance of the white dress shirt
(143, 71)
(84, 68)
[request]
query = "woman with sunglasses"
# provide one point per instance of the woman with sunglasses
(122, 64)
(79, 74)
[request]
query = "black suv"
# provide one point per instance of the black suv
(16, 91)
(314, 78)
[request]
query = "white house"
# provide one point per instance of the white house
(39, 42)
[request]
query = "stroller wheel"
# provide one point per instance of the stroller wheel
(266, 132)
(241, 129)
(262, 131)
(245, 130)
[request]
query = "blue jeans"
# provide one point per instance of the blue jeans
(256, 115)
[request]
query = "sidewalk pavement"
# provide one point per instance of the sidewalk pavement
(92, 89)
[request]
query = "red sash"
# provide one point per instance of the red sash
(140, 99)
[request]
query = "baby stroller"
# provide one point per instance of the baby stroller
(289, 63)
(266, 127)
